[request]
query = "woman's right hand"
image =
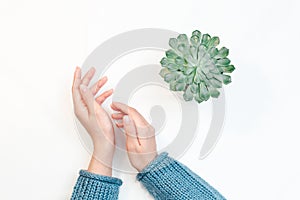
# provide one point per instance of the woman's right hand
(140, 135)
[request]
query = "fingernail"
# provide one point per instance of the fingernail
(83, 88)
(100, 83)
(126, 119)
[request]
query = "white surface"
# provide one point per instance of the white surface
(41, 43)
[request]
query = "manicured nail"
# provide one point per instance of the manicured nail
(83, 88)
(126, 119)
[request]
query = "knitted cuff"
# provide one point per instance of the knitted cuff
(166, 178)
(94, 186)
(158, 163)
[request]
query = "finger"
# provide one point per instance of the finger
(114, 108)
(120, 125)
(136, 116)
(77, 78)
(88, 77)
(75, 87)
(130, 130)
(87, 97)
(100, 99)
(98, 85)
(117, 116)
(117, 106)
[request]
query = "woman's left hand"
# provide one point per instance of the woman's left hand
(95, 119)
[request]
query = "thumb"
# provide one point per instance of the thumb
(87, 97)
(130, 130)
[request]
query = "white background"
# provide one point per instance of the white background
(41, 42)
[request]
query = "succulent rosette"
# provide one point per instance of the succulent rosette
(196, 66)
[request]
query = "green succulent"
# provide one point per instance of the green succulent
(196, 66)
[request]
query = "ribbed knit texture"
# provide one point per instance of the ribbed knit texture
(93, 186)
(166, 178)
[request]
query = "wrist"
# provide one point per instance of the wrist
(99, 166)
(104, 154)
(146, 161)
(103, 145)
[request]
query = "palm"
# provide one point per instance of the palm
(104, 122)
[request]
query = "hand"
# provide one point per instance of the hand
(140, 135)
(95, 119)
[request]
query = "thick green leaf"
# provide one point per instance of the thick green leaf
(170, 77)
(195, 40)
(188, 70)
(213, 92)
(171, 54)
(163, 72)
(214, 71)
(193, 52)
(205, 39)
(218, 77)
(180, 78)
(173, 43)
(203, 70)
(215, 83)
(213, 52)
(194, 88)
(173, 86)
(164, 62)
(201, 52)
(189, 58)
(202, 75)
(172, 67)
(183, 49)
(197, 33)
(182, 38)
(226, 79)
(223, 61)
(223, 52)
(180, 86)
(189, 79)
(198, 98)
(203, 91)
(197, 78)
(179, 60)
(228, 69)
(188, 95)
(214, 41)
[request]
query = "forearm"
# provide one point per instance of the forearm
(166, 178)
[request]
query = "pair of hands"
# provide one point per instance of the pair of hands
(140, 135)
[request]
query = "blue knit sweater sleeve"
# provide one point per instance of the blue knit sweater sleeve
(166, 178)
(93, 186)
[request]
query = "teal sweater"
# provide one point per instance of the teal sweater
(164, 178)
